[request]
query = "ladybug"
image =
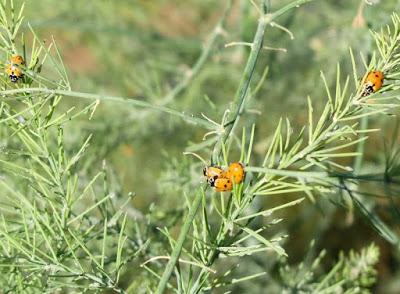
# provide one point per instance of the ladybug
(373, 82)
(222, 184)
(17, 60)
(213, 172)
(13, 72)
(235, 172)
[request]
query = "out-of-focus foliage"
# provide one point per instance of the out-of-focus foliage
(352, 273)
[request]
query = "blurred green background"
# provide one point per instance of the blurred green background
(142, 49)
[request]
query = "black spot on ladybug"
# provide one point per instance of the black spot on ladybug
(225, 186)
(377, 76)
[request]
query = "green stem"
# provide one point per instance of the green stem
(197, 201)
(179, 243)
(287, 173)
(288, 7)
(241, 93)
(236, 111)
(133, 102)
(238, 102)
(360, 146)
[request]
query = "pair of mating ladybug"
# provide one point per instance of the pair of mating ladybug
(223, 180)
(13, 69)
(373, 82)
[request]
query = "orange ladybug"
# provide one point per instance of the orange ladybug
(17, 60)
(373, 82)
(213, 172)
(222, 184)
(13, 72)
(235, 172)
(13, 68)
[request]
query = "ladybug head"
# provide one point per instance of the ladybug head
(211, 181)
(13, 78)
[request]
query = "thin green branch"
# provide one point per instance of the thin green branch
(179, 243)
(133, 102)
(361, 145)
(238, 102)
(186, 226)
(287, 173)
(233, 119)
(242, 91)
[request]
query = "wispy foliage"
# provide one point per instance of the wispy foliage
(353, 273)
(59, 229)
